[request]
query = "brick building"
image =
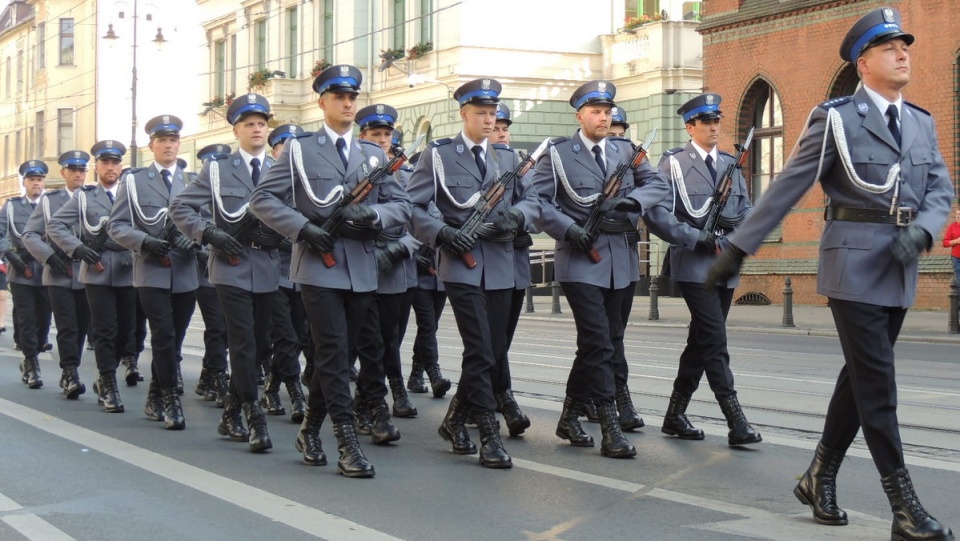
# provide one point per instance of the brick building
(773, 62)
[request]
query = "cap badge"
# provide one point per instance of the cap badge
(251, 99)
(379, 108)
(344, 70)
(166, 119)
(888, 15)
(614, 111)
(485, 84)
(292, 129)
(109, 144)
(709, 99)
(602, 87)
(76, 154)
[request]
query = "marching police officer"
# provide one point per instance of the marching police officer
(450, 174)
(164, 263)
(31, 302)
(336, 269)
(106, 268)
(244, 264)
(618, 123)
(61, 273)
(695, 171)
(569, 179)
(878, 161)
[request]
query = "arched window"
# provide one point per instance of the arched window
(845, 83)
(766, 154)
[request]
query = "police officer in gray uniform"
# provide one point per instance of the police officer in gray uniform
(106, 268)
(61, 273)
(453, 174)
(313, 173)
(164, 263)
(244, 264)
(569, 179)
(30, 299)
(618, 123)
(877, 158)
(695, 171)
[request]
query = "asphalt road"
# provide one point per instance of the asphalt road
(72, 472)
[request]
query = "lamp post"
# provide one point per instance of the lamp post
(111, 36)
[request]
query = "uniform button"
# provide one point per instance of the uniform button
(844, 242)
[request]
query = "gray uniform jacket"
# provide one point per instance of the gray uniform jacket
(458, 180)
(35, 239)
(855, 258)
(118, 264)
(18, 210)
(619, 266)
(127, 228)
(356, 267)
(521, 256)
(672, 219)
(404, 275)
(259, 269)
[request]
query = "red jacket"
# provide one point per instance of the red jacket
(953, 231)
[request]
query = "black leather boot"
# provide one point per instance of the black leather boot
(382, 430)
(569, 427)
(231, 422)
(154, 407)
(352, 463)
(818, 487)
(307, 374)
(258, 373)
(590, 411)
(629, 418)
(298, 404)
(415, 383)
(402, 407)
(454, 430)
(131, 372)
(507, 405)
(492, 453)
(270, 399)
(172, 410)
(257, 424)
(70, 383)
(911, 522)
(308, 438)
(439, 383)
(108, 393)
(363, 426)
(741, 433)
(219, 385)
(30, 368)
(675, 422)
(203, 384)
(614, 444)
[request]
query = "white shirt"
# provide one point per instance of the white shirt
(246, 156)
(347, 138)
(113, 190)
(470, 144)
(172, 169)
(883, 104)
(703, 153)
(590, 144)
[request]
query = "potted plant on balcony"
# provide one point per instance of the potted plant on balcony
(632, 23)
(420, 49)
(392, 54)
(318, 67)
(258, 79)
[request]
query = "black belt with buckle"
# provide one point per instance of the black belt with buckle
(901, 218)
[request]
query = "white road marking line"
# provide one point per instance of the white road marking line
(28, 524)
(275, 508)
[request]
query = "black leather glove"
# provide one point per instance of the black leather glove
(455, 240)
(424, 258)
(359, 214)
(707, 243)
(183, 243)
(203, 257)
(509, 220)
(909, 242)
(622, 204)
(579, 238)
(57, 264)
(389, 255)
(87, 254)
(316, 237)
(285, 245)
(16, 262)
(221, 240)
(156, 246)
(726, 266)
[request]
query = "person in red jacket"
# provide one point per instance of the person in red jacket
(951, 239)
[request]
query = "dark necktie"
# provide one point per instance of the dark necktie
(110, 196)
(598, 155)
(477, 151)
(255, 170)
(893, 114)
(33, 205)
(166, 179)
(341, 149)
(710, 167)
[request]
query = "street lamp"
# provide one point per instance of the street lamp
(111, 36)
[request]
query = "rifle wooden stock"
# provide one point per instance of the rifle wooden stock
(98, 266)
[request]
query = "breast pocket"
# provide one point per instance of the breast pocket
(845, 253)
(323, 185)
(916, 169)
(234, 198)
(873, 163)
(460, 187)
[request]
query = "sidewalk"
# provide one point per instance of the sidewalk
(919, 325)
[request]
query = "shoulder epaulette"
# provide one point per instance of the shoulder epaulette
(725, 153)
(921, 109)
(89, 187)
(829, 104)
(441, 142)
(620, 139)
(406, 167)
(15, 198)
(672, 151)
(304, 134)
(132, 171)
(365, 142)
(54, 191)
(558, 140)
(501, 146)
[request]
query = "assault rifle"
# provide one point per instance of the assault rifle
(238, 230)
(494, 195)
(360, 192)
(98, 244)
(170, 234)
(58, 252)
(722, 193)
(611, 189)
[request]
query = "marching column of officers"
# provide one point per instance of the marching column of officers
(322, 246)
